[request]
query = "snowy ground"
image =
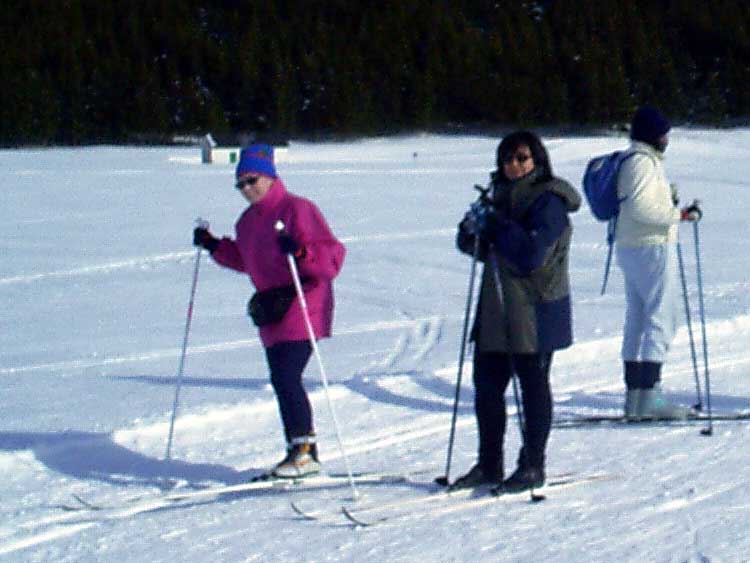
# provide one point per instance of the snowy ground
(94, 285)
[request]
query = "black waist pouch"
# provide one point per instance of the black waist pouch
(269, 306)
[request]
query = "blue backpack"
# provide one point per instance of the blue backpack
(600, 189)
(600, 184)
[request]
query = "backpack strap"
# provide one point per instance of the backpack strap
(611, 228)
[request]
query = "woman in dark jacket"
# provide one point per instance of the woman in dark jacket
(524, 235)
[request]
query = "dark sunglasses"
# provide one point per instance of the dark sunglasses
(249, 181)
(519, 157)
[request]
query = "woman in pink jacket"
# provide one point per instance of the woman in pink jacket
(260, 251)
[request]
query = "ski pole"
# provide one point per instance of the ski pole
(445, 480)
(167, 456)
(699, 404)
(709, 430)
(279, 226)
(534, 497)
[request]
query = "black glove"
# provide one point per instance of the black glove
(691, 213)
(494, 222)
(475, 219)
(464, 239)
(288, 245)
(201, 237)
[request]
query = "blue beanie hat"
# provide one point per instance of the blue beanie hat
(648, 125)
(256, 158)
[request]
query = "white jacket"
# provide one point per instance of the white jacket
(648, 214)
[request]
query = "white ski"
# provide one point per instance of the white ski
(135, 505)
(454, 501)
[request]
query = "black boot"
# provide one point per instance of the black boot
(476, 477)
(528, 475)
(523, 479)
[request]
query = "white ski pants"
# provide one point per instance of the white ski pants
(651, 300)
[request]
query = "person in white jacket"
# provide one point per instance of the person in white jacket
(646, 249)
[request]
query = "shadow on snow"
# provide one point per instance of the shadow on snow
(94, 456)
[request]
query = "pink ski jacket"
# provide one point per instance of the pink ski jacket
(255, 251)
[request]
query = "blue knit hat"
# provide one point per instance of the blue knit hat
(256, 158)
(649, 125)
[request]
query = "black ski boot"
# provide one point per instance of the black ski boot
(476, 477)
(523, 479)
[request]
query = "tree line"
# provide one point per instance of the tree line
(88, 71)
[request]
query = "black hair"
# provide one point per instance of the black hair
(510, 144)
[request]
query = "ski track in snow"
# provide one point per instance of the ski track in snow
(417, 338)
(49, 528)
(146, 262)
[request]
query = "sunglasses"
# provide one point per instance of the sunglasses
(519, 157)
(249, 181)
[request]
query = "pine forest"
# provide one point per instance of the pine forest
(106, 71)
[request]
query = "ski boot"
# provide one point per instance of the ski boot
(522, 479)
(301, 460)
(476, 477)
(654, 406)
(634, 385)
(632, 404)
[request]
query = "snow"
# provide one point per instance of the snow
(94, 286)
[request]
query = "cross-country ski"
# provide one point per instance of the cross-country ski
(603, 419)
(146, 503)
(436, 495)
(454, 502)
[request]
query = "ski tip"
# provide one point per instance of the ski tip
(358, 521)
(84, 503)
(302, 512)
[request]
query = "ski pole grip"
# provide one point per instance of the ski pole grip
(202, 223)
(482, 191)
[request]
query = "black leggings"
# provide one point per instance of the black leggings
(287, 361)
(492, 373)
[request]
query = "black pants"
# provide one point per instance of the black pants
(492, 373)
(287, 361)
